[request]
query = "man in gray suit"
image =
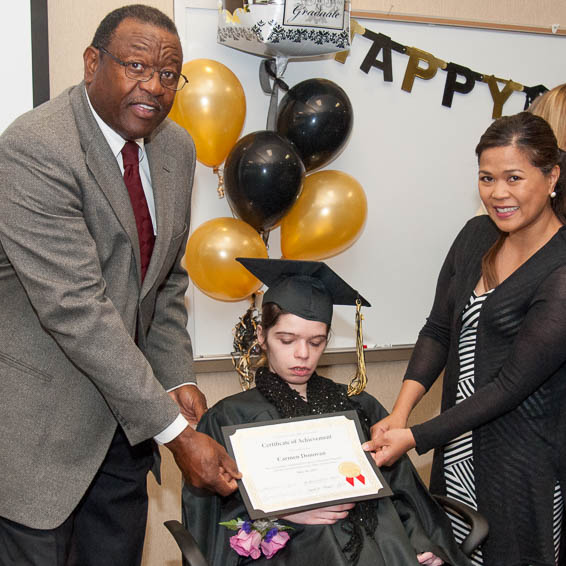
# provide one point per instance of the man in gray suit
(91, 338)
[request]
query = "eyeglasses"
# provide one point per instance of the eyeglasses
(141, 72)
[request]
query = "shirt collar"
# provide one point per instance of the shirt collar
(114, 139)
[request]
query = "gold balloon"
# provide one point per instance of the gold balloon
(327, 218)
(212, 108)
(210, 254)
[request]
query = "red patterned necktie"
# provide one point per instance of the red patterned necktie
(139, 204)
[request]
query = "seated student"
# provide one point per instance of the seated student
(407, 528)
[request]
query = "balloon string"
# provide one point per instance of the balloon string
(359, 381)
(271, 70)
(268, 71)
(220, 189)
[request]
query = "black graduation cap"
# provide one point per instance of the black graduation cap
(305, 288)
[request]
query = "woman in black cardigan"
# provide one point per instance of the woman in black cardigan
(498, 330)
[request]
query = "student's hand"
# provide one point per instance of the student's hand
(191, 401)
(429, 559)
(321, 515)
(204, 463)
(389, 446)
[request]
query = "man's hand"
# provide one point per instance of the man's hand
(204, 463)
(191, 401)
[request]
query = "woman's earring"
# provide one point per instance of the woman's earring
(553, 194)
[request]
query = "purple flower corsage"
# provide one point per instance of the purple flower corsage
(256, 537)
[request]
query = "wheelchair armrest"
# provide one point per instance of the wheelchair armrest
(477, 522)
(188, 545)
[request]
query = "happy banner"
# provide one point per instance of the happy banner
(425, 66)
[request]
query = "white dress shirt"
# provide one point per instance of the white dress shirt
(116, 143)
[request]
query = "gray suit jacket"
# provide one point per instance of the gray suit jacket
(70, 300)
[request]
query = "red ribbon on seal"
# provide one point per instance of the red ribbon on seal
(360, 478)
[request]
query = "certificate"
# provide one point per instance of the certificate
(292, 465)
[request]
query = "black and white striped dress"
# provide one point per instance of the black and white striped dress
(458, 455)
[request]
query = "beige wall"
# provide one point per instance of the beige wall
(515, 12)
(71, 26)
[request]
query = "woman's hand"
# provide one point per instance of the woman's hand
(394, 420)
(388, 446)
(429, 559)
(321, 515)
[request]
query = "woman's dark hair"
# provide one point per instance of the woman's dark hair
(535, 138)
(270, 313)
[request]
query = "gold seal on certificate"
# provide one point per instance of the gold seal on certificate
(297, 464)
(351, 471)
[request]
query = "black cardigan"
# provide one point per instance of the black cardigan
(518, 411)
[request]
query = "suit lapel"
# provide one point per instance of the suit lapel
(105, 170)
(103, 166)
(162, 167)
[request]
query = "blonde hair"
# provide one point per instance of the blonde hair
(552, 107)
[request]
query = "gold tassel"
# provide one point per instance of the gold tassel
(246, 345)
(359, 381)
(220, 174)
(243, 365)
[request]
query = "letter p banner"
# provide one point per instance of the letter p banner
(414, 70)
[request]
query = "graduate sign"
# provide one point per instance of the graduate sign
(285, 28)
(311, 13)
(297, 464)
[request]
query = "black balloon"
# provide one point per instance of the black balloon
(263, 176)
(317, 116)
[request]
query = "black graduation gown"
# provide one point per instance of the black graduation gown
(410, 522)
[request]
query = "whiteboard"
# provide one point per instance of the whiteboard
(414, 158)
